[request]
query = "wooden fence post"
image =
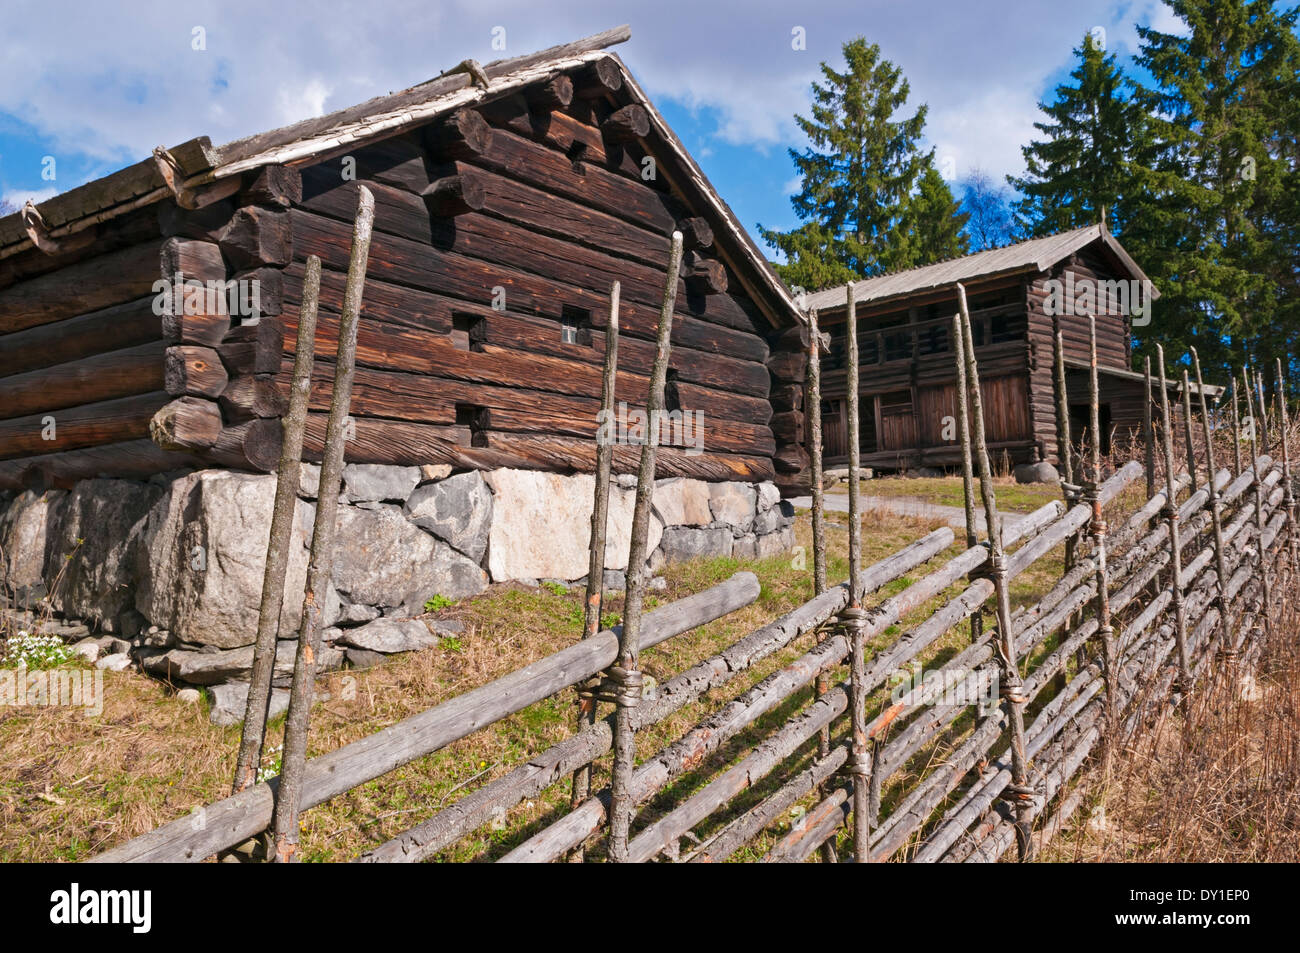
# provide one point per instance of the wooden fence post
(1187, 431)
(606, 427)
(288, 475)
(1011, 687)
(813, 409)
(1148, 433)
(1216, 517)
(625, 675)
(1236, 429)
(1260, 521)
(967, 466)
(1183, 683)
(1263, 412)
(1105, 630)
(853, 619)
(321, 564)
(1288, 492)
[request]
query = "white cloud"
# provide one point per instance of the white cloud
(19, 197)
(126, 79)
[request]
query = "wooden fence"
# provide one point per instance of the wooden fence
(969, 762)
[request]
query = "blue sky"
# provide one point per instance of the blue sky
(95, 86)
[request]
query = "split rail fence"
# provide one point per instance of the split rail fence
(969, 763)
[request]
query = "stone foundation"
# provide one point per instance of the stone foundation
(170, 569)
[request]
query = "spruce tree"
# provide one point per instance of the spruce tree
(858, 174)
(932, 225)
(1083, 165)
(1216, 220)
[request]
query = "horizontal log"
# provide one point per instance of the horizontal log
(186, 424)
(626, 124)
(275, 186)
(461, 135)
(555, 93)
(697, 234)
(121, 326)
(80, 288)
(192, 259)
(189, 369)
(205, 224)
(110, 421)
(454, 195)
(570, 454)
(105, 376)
(598, 79)
(253, 348)
(706, 276)
(239, 817)
(257, 236)
(252, 395)
(253, 445)
(132, 459)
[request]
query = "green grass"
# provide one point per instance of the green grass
(947, 491)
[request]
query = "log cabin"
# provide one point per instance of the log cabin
(1017, 296)
(508, 197)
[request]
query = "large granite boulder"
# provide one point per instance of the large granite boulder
(23, 531)
(1041, 472)
(683, 502)
(95, 541)
(389, 636)
(382, 559)
(734, 504)
(203, 555)
(681, 543)
(542, 525)
(375, 482)
(458, 510)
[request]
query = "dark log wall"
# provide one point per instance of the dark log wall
(498, 233)
(908, 377)
(1113, 349)
(82, 351)
(493, 231)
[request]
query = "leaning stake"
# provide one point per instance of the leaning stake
(321, 564)
(596, 564)
(1216, 516)
(277, 547)
(1011, 687)
(1260, 521)
(813, 408)
(624, 676)
(1171, 517)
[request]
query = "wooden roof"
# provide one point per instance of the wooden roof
(313, 140)
(1033, 256)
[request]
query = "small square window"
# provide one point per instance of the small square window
(468, 331)
(575, 326)
(470, 424)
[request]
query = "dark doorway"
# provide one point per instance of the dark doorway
(1081, 422)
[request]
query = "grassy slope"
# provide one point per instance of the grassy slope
(73, 785)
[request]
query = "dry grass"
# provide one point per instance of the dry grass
(1218, 782)
(74, 786)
